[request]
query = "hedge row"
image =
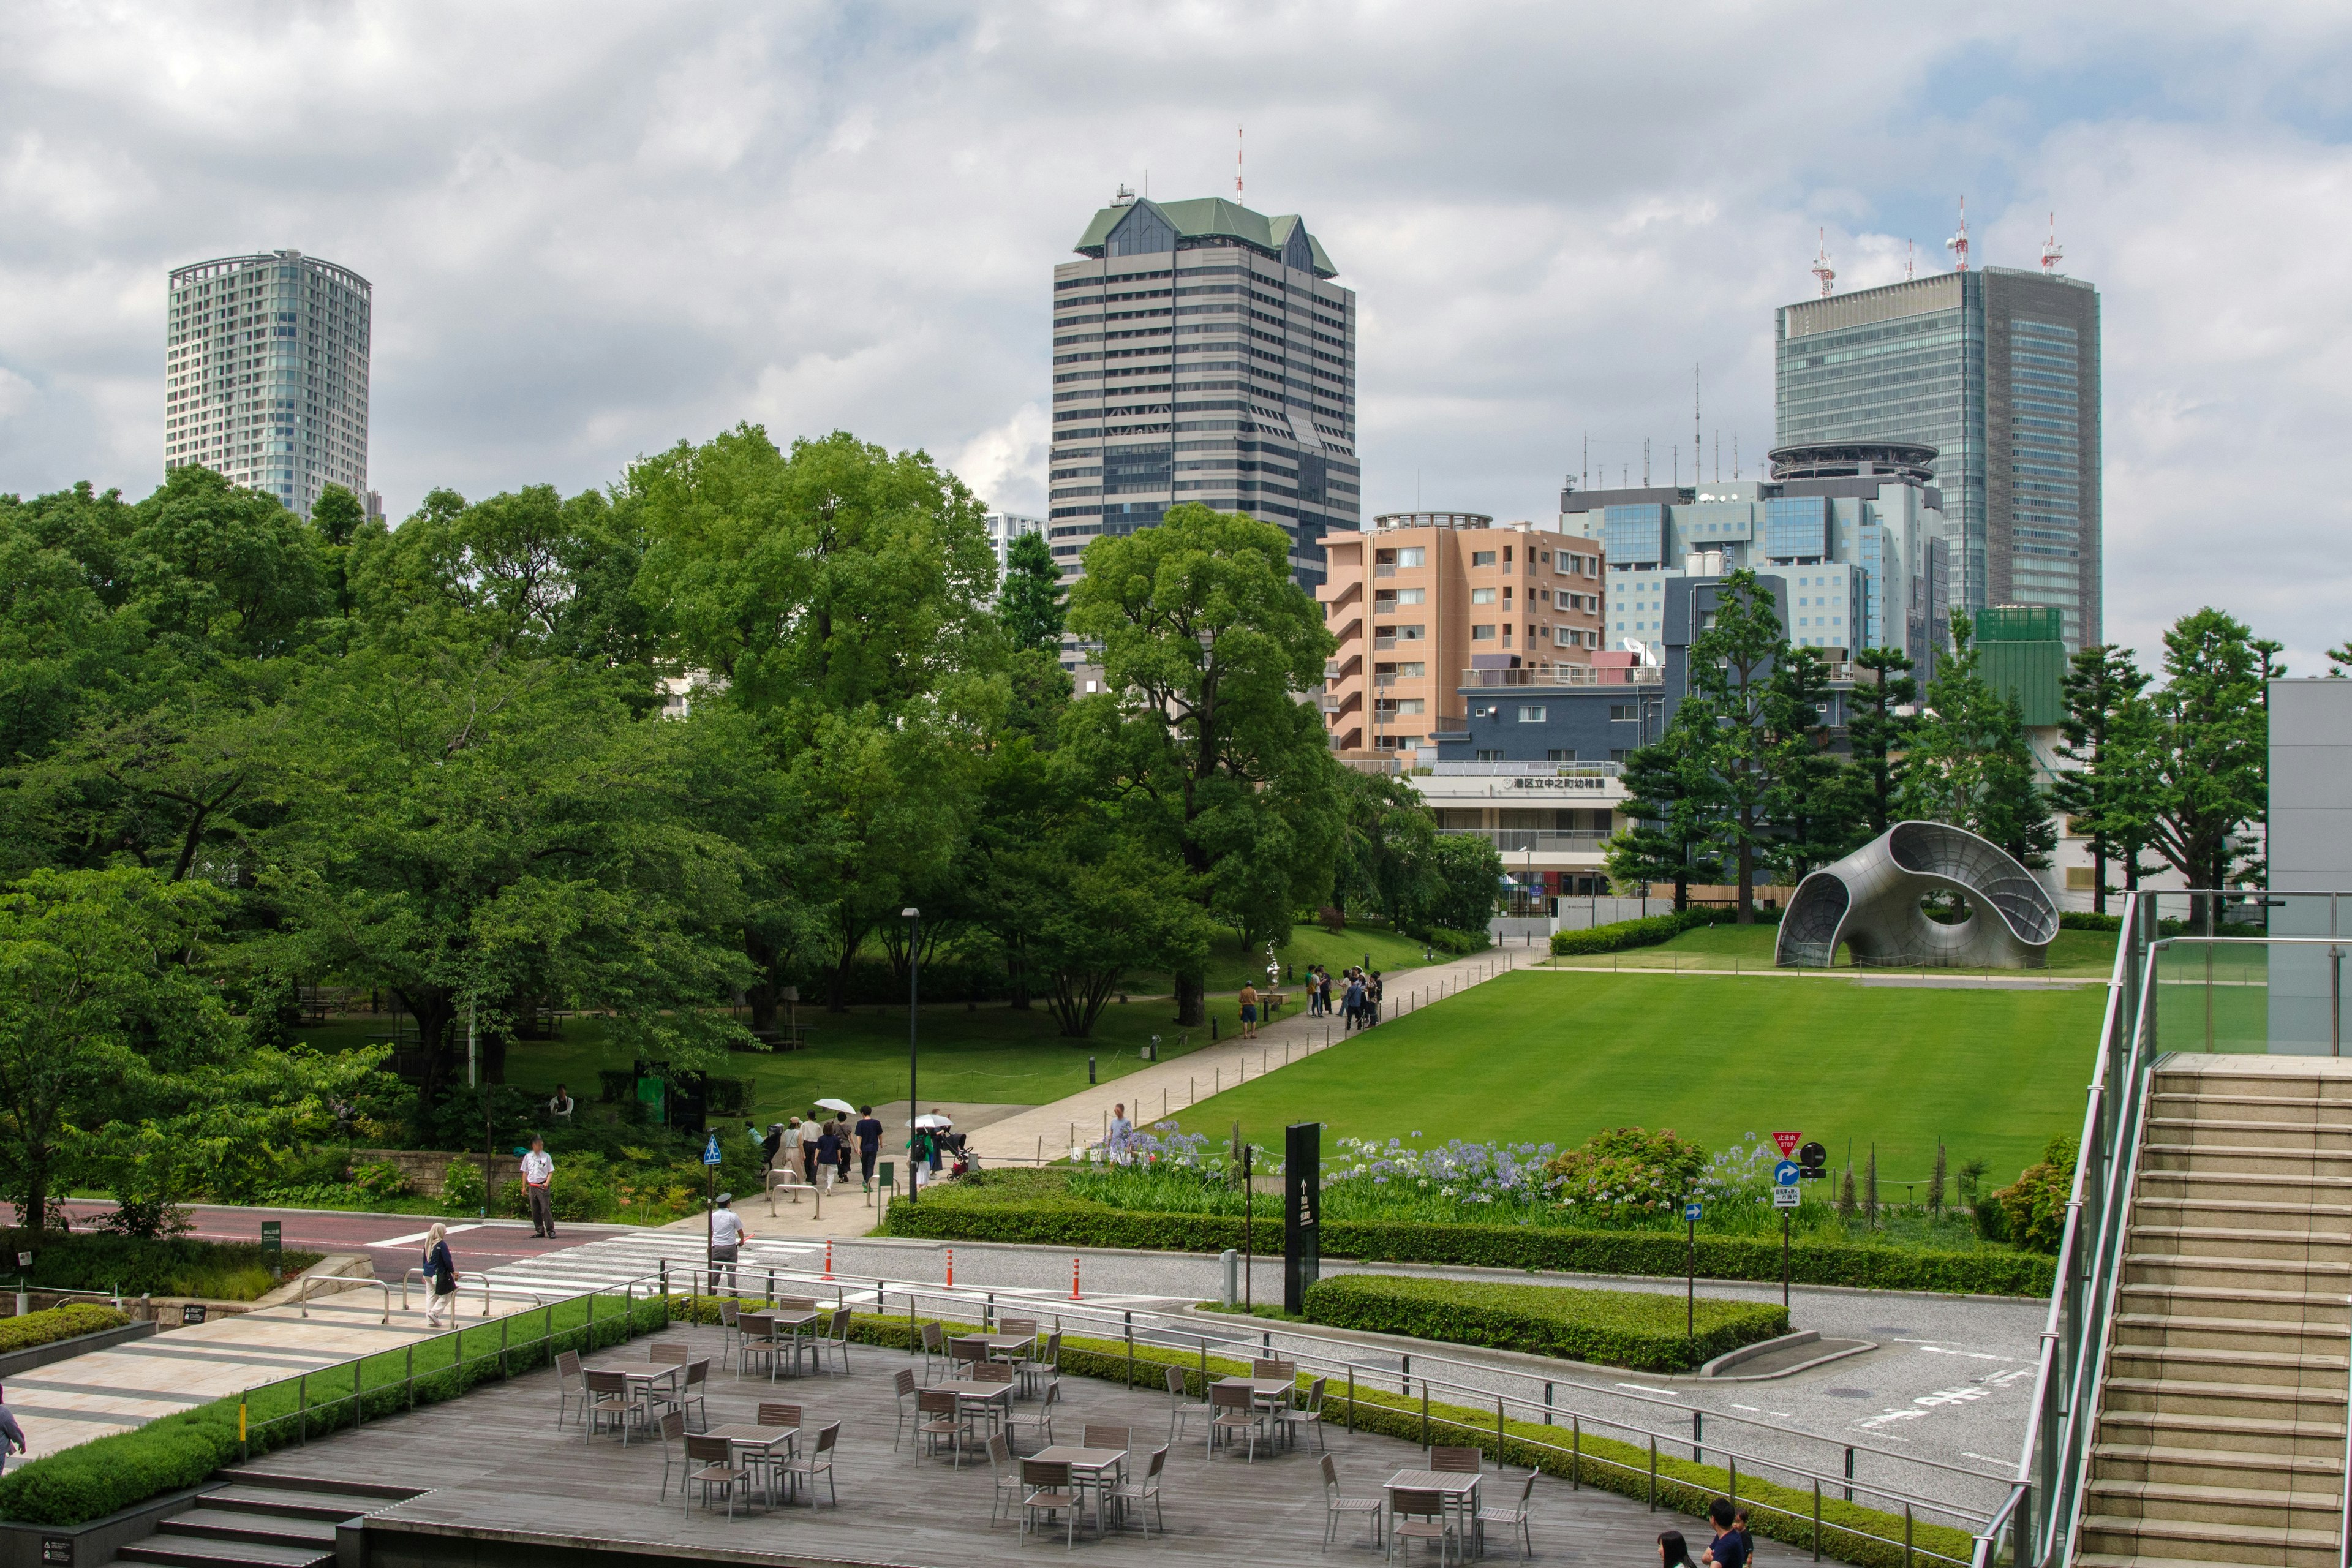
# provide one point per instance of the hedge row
(173, 1452)
(1847, 1531)
(1615, 1328)
(57, 1324)
(1077, 1222)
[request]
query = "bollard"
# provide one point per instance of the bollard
(1232, 1266)
(1091, 1069)
(951, 1268)
(828, 1258)
(1073, 1279)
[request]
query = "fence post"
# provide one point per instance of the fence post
(1575, 1453)
(1404, 1379)
(1654, 1472)
(1849, 1472)
(1699, 1435)
(1351, 1396)
(408, 1366)
(1425, 1412)
(1130, 1347)
(1817, 1521)
(1907, 1533)
(1498, 1431)
(302, 1407)
(1204, 1367)
(504, 1321)
(1547, 1402)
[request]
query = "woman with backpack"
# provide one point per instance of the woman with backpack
(440, 1275)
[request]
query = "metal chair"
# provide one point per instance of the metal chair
(1041, 1417)
(1307, 1416)
(1045, 1488)
(1143, 1492)
(775, 1415)
(1101, 1436)
(966, 1352)
(816, 1461)
(1335, 1504)
(940, 1419)
(670, 1351)
(711, 1461)
(608, 1395)
(1235, 1409)
(1418, 1515)
(1008, 1478)
(1273, 1368)
(673, 1442)
(991, 1371)
(730, 1329)
(903, 1385)
(690, 1392)
(569, 1386)
(935, 1352)
(1046, 1365)
(758, 1338)
(1182, 1406)
(834, 1340)
(1516, 1517)
(1456, 1460)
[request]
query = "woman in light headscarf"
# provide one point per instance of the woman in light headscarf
(440, 1275)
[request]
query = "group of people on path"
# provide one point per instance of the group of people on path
(824, 1145)
(1359, 992)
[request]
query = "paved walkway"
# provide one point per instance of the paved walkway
(1066, 1127)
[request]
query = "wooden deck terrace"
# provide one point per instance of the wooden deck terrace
(502, 1487)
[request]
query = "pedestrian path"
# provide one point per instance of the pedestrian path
(1068, 1127)
(612, 1262)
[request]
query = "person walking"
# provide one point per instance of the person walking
(1122, 1135)
(1249, 1010)
(1729, 1548)
(1373, 991)
(1674, 1552)
(1355, 1003)
(728, 1236)
(440, 1275)
(12, 1437)
(842, 1135)
(811, 1131)
(538, 1185)
(869, 1143)
(828, 1153)
(767, 1147)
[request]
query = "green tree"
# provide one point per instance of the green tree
(1877, 731)
(2102, 687)
(1387, 856)
(1466, 876)
(98, 994)
(2211, 747)
(1731, 668)
(1029, 601)
(1970, 764)
(1208, 645)
(1672, 804)
(1813, 809)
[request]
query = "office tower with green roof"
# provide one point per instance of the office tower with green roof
(1999, 371)
(1202, 353)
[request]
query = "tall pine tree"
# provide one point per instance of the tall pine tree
(1731, 666)
(1029, 603)
(1671, 802)
(1969, 764)
(1879, 721)
(2101, 689)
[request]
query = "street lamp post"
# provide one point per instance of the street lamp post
(914, 918)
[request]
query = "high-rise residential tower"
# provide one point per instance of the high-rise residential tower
(1201, 354)
(266, 373)
(1999, 371)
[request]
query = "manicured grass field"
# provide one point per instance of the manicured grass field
(1556, 1057)
(2074, 952)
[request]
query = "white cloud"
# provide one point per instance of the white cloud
(596, 229)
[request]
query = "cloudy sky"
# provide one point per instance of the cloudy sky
(597, 229)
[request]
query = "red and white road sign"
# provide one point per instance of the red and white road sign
(1788, 1142)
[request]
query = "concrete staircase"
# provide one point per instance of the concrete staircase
(261, 1520)
(2220, 1434)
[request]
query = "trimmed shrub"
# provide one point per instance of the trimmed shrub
(1456, 943)
(1616, 1327)
(158, 1266)
(951, 1213)
(57, 1324)
(2034, 1208)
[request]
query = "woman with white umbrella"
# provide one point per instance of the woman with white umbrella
(837, 1163)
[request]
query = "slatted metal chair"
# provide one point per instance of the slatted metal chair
(814, 1460)
(1453, 1460)
(669, 1352)
(1143, 1493)
(691, 1389)
(1007, 1474)
(569, 1386)
(1235, 1410)
(1416, 1514)
(711, 1461)
(1045, 1488)
(1336, 1505)
(940, 1417)
(608, 1397)
(1182, 1406)
(935, 1352)
(1518, 1520)
(673, 1442)
(1039, 1417)
(1044, 1366)
(903, 1385)
(1307, 1416)
(834, 1340)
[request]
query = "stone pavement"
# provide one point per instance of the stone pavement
(1070, 1126)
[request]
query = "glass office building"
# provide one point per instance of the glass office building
(266, 373)
(1202, 353)
(1998, 370)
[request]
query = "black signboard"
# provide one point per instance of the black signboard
(192, 1314)
(1302, 1212)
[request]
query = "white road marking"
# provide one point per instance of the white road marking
(1645, 1388)
(1988, 1458)
(420, 1235)
(1972, 1355)
(1749, 1408)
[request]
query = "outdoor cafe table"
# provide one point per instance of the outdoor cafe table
(761, 1440)
(642, 1379)
(1275, 1391)
(1001, 1345)
(970, 1394)
(1092, 1469)
(788, 1325)
(1460, 1487)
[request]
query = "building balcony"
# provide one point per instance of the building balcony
(1524, 770)
(1534, 840)
(1567, 675)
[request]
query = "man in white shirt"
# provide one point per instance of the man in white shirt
(811, 1131)
(537, 1177)
(728, 1235)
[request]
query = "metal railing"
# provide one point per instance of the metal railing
(1568, 675)
(347, 1282)
(2038, 1522)
(1524, 770)
(1540, 841)
(490, 1287)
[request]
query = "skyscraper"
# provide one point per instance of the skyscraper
(1999, 371)
(1201, 354)
(266, 373)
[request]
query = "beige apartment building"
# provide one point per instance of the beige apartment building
(1423, 598)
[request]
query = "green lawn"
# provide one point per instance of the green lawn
(2089, 954)
(1557, 1058)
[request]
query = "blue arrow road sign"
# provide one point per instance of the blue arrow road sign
(1690, 1212)
(710, 1155)
(1785, 1173)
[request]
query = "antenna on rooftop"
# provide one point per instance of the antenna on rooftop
(1910, 260)
(1695, 425)
(1959, 243)
(2051, 255)
(1822, 263)
(1735, 453)
(1237, 160)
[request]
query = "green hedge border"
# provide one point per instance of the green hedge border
(105, 1475)
(1077, 1222)
(54, 1323)
(1850, 1532)
(1639, 1330)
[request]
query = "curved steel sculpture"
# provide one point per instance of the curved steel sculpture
(1870, 902)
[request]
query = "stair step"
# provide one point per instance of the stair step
(290, 1503)
(2244, 1506)
(206, 1553)
(2306, 1087)
(2214, 1543)
(2269, 1369)
(2246, 1163)
(2200, 1466)
(2227, 1333)
(2307, 1130)
(2237, 1434)
(2248, 1214)
(281, 1480)
(2253, 1401)
(241, 1524)
(2282, 1245)
(2277, 1274)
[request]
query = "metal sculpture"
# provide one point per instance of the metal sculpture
(1872, 901)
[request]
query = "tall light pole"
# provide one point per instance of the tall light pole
(914, 918)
